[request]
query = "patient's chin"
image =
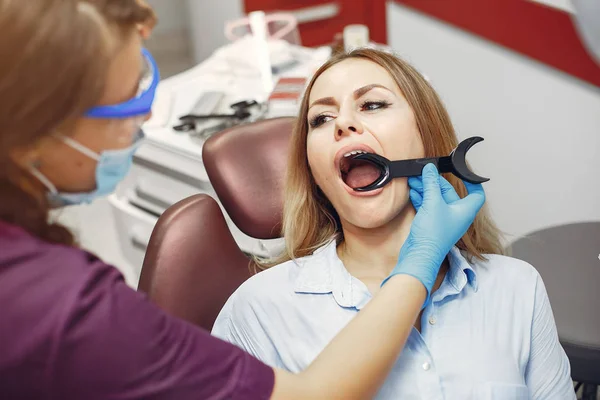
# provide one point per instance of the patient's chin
(374, 223)
(377, 211)
(375, 217)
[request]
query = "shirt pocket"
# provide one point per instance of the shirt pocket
(502, 391)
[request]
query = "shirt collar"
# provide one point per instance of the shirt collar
(460, 272)
(315, 274)
(323, 272)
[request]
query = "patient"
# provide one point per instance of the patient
(488, 331)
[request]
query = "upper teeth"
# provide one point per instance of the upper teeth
(354, 152)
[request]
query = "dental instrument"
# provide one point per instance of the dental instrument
(455, 163)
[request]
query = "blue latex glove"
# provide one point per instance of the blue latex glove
(442, 219)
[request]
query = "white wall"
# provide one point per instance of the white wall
(541, 126)
(172, 15)
(189, 31)
(564, 5)
(170, 41)
(207, 19)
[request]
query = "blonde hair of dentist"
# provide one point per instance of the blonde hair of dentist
(309, 219)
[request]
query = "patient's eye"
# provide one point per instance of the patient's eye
(374, 105)
(320, 120)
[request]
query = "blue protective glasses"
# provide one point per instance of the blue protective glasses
(141, 104)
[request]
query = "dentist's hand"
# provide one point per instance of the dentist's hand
(442, 219)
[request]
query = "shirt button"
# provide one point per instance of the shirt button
(426, 366)
(432, 320)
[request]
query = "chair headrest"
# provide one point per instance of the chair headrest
(246, 165)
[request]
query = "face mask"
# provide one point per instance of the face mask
(113, 166)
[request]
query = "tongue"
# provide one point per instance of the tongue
(361, 175)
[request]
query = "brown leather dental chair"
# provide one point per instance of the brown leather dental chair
(193, 263)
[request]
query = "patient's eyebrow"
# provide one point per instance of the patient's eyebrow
(326, 101)
(330, 101)
(361, 91)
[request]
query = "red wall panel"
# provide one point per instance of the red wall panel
(540, 32)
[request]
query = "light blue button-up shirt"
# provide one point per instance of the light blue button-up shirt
(488, 333)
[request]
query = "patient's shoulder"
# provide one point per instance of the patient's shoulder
(270, 283)
(275, 287)
(281, 282)
(507, 263)
(508, 271)
(256, 302)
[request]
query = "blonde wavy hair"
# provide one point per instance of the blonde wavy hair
(309, 219)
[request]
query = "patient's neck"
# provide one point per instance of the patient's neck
(373, 253)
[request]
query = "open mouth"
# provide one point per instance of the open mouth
(358, 173)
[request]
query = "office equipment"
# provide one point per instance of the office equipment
(207, 103)
(355, 36)
(285, 98)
